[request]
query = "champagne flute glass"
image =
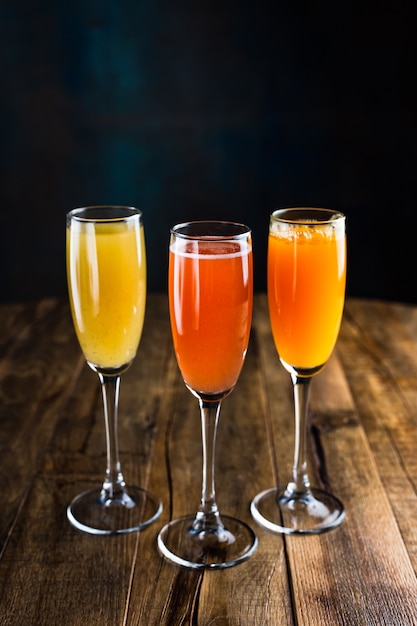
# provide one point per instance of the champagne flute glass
(106, 271)
(306, 291)
(210, 299)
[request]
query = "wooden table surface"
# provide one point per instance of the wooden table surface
(363, 447)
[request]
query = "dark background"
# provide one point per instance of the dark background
(223, 109)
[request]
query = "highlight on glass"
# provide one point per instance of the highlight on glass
(106, 273)
(210, 301)
(306, 293)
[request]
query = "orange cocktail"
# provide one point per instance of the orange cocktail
(210, 302)
(210, 293)
(306, 289)
(306, 293)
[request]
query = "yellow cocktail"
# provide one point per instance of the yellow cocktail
(107, 286)
(106, 271)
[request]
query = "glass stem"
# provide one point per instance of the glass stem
(114, 488)
(300, 482)
(208, 517)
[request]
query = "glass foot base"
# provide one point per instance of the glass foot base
(283, 511)
(232, 544)
(133, 511)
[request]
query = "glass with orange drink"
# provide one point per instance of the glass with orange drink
(210, 301)
(306, 292)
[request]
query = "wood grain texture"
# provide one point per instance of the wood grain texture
(362, 446)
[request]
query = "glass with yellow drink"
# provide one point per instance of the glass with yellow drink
(107, 280)
(210, 301)
(106, 273)
(306, 293)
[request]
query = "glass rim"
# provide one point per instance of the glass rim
(126, 212)
(242, 230)
(330, 216)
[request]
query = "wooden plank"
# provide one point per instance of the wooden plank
(254, 592)
(52, 574)
(366, 555)
(77, 578)
(362, 447)
(364, 559)
(39, 358)
(383, 380)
